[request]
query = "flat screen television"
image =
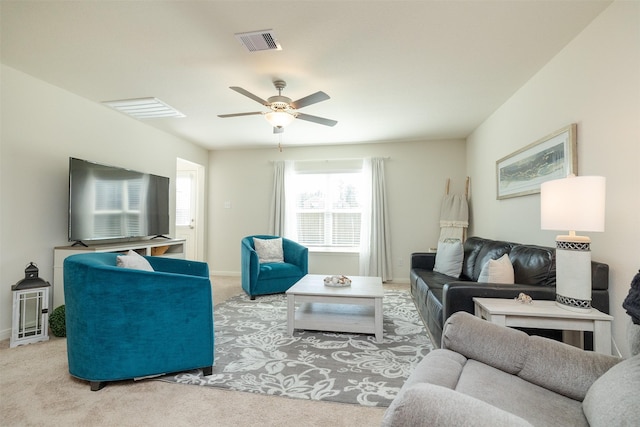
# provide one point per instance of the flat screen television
(107, 202)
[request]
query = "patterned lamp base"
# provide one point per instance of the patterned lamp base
(573, 273)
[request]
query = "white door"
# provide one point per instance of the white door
(186, 196)
(189, 207)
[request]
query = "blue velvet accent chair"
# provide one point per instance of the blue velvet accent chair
(274, 277)
(124, 323)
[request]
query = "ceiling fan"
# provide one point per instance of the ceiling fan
(282, 111)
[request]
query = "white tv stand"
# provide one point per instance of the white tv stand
(143, 247)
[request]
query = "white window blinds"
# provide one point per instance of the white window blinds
(328, 208)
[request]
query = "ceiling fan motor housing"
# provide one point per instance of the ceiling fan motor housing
(280, 103)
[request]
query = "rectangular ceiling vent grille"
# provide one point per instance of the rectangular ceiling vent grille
(256, 41)
(144, 108)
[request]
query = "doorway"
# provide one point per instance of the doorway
(190, 207)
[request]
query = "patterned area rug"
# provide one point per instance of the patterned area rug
(254, 353)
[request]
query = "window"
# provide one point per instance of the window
(183, 199)
(328, 208)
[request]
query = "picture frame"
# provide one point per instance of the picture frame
(552, 157)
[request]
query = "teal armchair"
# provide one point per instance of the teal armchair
(272, 278)
(124, 323)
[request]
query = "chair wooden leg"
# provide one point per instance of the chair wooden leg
(253, 297)
(206, 371)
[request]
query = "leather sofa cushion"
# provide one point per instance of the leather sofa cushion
(471, 248)
(533, 265)
(432, 279)
(434, 313)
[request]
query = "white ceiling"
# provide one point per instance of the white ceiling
(395, 70)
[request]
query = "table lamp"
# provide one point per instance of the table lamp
(573, 203)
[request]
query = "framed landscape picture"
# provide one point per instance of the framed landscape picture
(551, 157)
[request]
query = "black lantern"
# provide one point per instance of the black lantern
(30, 308)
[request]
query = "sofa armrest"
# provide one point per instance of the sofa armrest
(474, 338)
(458, 295)
(249, 265)
(423, 260)
(426, 404)
(296, 254)
(599, 275)
(529, 357)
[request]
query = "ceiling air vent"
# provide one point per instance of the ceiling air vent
(144, 108)
(259, 40)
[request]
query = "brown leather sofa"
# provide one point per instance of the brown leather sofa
(437, 296)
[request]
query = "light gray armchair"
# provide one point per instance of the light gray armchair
(490, 375)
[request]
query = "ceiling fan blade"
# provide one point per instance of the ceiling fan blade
(249, 95)
(316, 119)
(278, 129)
(224, 116)
(311, 99)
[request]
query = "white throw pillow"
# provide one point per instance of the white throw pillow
(133, 260)
(497, 271)
(449, 258)
(269, 250)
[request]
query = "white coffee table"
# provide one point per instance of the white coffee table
(356, 308)
(547, 315)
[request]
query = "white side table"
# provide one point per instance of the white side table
(547, 315)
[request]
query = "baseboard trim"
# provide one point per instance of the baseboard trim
(401, 280)
(225, 273)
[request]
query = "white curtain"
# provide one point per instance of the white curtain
(276, 217)
(290, 219)
(375, 239)
(281, 224)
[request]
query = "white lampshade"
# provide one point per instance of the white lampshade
(573, 203)
(279, 118)
(576, 203)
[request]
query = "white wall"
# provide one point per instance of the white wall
(416, 174)
(42, 126)
(594, 82)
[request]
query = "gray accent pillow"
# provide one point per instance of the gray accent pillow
(449, 258)
(133, 260)
(269, 250)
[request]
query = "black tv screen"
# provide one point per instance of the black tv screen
(107, 202)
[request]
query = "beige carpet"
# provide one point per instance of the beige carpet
(37, 390)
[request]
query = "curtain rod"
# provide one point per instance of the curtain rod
(333, 160)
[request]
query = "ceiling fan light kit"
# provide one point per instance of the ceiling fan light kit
(279, 119)
(283, 110)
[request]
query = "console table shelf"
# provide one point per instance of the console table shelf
(175, 249)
